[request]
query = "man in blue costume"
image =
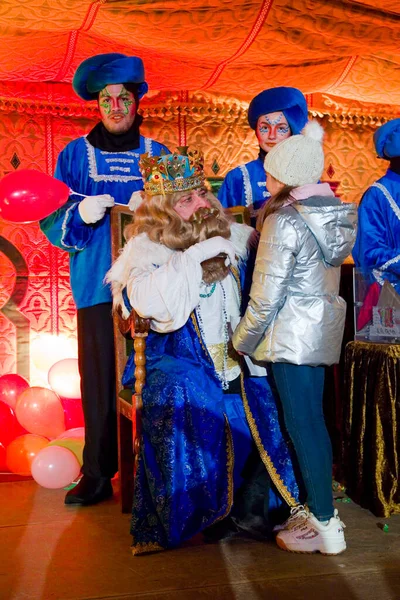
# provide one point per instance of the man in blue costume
(202, 414)
(377, 247)
(101, 169)
(274, 114)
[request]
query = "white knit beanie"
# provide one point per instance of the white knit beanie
(298, 160)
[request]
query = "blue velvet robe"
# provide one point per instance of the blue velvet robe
(196, 440)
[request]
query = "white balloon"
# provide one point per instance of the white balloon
(64, 378)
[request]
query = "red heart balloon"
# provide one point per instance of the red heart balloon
(29, 195)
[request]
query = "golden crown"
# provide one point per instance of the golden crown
(168, 173)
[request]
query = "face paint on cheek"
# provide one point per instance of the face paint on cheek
(283, 129)
(127, 106)
(105, 102)
(106, 107)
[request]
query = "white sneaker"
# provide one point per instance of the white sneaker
(307, 534)
(296, 513)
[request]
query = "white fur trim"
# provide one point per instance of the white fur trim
(138, 253)
(240, 237)
(143, 254)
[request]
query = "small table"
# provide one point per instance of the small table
(371, 426)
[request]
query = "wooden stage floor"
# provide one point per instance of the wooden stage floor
(50, 551)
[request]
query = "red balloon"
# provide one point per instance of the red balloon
(3, 465)
(73, 412)
(28, 195)
(11, 386)
(9, 426)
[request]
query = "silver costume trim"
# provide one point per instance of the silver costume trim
(120, 160)
(93, 173)
(64, 227)
(123, 169)
(248, 193)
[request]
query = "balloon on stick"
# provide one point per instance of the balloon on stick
(27, 195)
(40, 411)
(11, 386)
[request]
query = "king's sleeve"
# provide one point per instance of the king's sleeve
(65, 228)
(166, 294)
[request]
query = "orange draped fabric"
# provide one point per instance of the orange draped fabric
(226, 47)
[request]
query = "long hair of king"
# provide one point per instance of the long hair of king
(157, 218)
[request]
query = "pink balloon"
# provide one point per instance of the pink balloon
(11, 386)
(40, 411)
(73, 413)
(27, 195)
(55, 467)
(64, 378)
(76, 433)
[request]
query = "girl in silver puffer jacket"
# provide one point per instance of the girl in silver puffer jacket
(295, 320)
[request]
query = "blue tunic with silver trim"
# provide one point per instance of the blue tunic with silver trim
(245, 186)
(91, 172)
(377, 247)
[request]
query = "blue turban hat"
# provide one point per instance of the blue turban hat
(94, 73)
(387, 139)
(288, 100)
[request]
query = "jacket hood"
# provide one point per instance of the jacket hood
(333, 224)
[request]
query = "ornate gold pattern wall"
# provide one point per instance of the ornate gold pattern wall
(34, 294)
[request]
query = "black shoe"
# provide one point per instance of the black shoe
(89, 491)
(221, 530)
(254, 527)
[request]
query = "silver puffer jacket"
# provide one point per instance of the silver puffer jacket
(295, 314)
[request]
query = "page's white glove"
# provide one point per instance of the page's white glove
(211, 248)
(93, 208)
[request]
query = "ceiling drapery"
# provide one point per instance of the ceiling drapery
(229, 48)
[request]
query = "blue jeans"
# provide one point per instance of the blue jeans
(300, 389)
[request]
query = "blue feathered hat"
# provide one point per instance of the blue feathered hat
(387, 139)
(94, 73)
(288, 100)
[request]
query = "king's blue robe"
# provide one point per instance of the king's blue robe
(196, 440)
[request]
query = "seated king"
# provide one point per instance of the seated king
(207, 424)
